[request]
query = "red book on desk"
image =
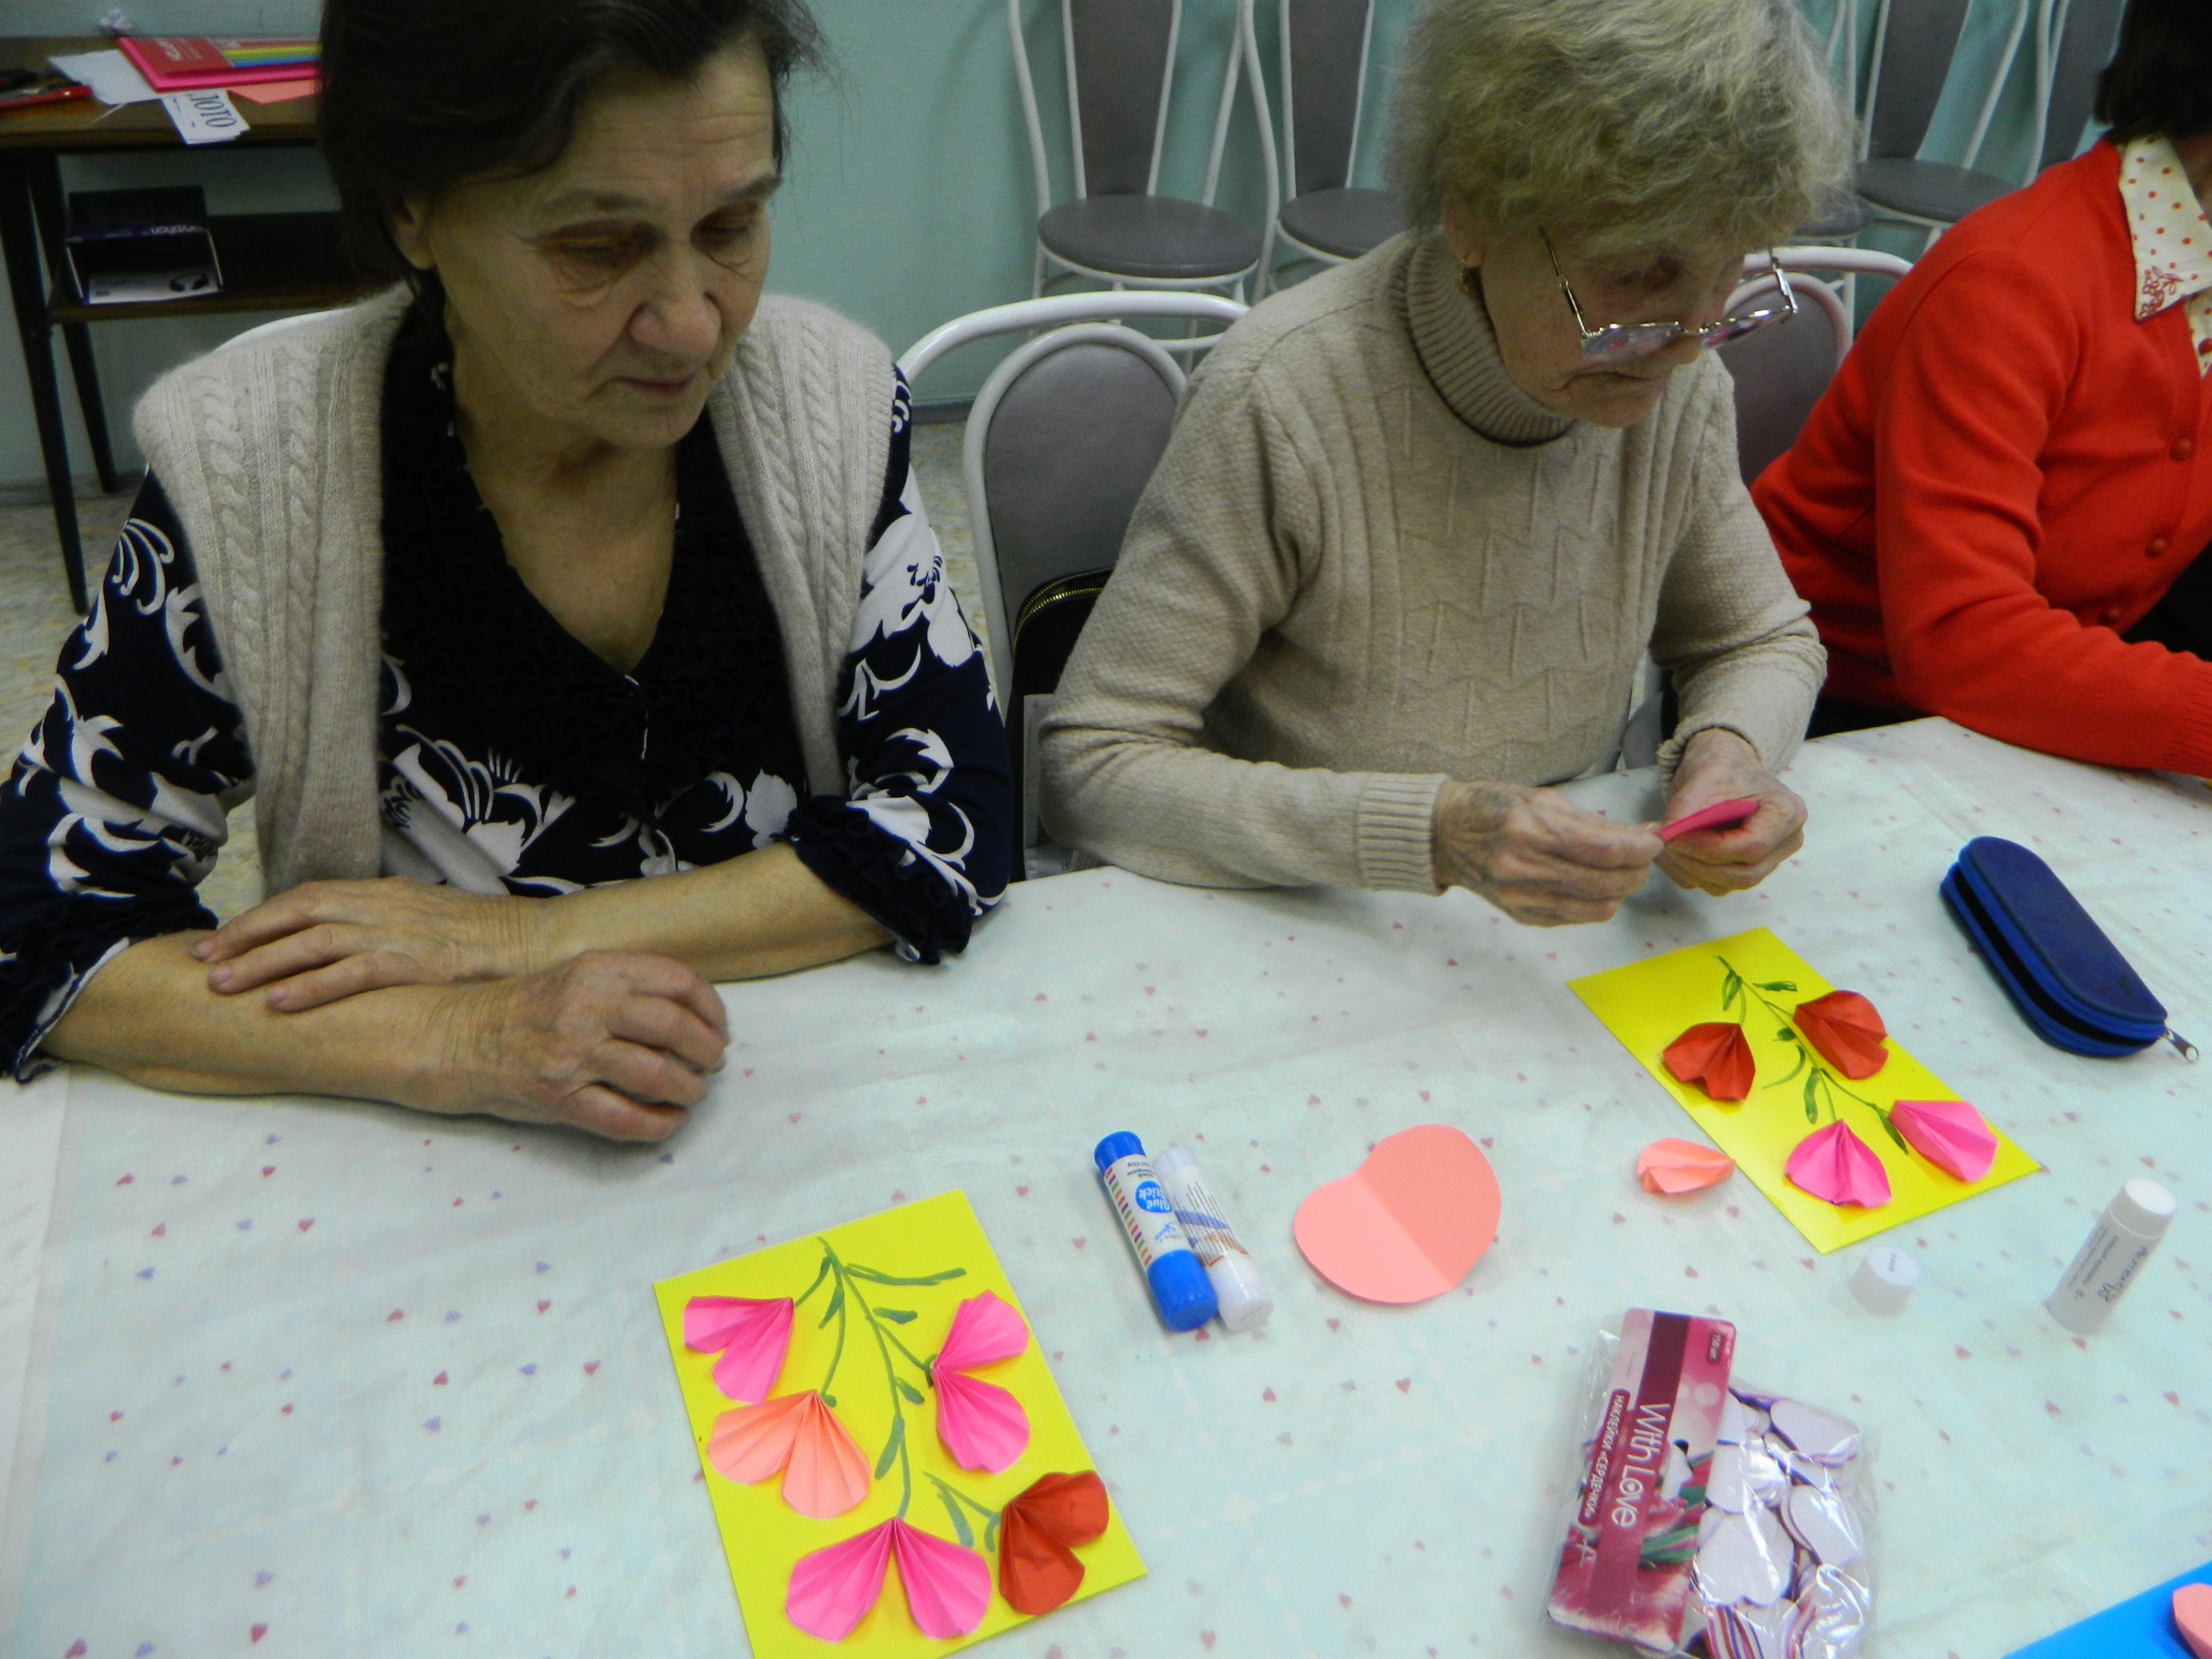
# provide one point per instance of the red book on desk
(180, 62)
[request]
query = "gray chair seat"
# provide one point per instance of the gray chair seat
(1833, 221)
(1158, 237)
(1928, 190)
(1345, 222)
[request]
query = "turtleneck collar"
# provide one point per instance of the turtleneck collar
(1453, 336)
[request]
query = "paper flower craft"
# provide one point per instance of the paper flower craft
(1949, 1133)
(823, 1473)
(982, 1426)
(1038, 1530)
(948, 1589)
(1672, 1167)
(1716, 1055)
(1836, 1166)
(1844, 1029)
(753, 1338)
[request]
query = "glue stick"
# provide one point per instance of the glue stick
(1237, 1287)
(2117, 1246)
(1177, 1279)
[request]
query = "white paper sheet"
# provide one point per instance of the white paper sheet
(204, 117)
(114, 78)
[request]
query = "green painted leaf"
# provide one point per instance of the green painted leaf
(836, 1305)
(1777, 985)
(891, 1447)
(821, 1273)
(991, 1537)
(913, 1394)
(961, 1529)
(874, 1278)
(897, 1316)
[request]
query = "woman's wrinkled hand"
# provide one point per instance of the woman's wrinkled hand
(324, 940)
(1718, 766)
(1536, 856)
(614, 1042)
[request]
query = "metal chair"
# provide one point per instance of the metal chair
(1061, 441)
(1915, 42)
(1324, 82)
(1780, 372)
(1121, 64)
(2073, 46)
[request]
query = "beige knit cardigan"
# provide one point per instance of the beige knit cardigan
(1368, 562)
(270, 454)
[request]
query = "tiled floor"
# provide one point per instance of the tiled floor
(35, 618)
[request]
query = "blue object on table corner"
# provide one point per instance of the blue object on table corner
(2141, 1628)
(2068, 980)
(1181, 1290)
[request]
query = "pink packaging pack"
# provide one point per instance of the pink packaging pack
(1648, 1436)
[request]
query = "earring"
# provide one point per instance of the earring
(1466, 281)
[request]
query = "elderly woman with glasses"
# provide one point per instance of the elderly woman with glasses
(1424, 517)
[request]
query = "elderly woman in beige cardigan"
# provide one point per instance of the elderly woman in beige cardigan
(1423, 517)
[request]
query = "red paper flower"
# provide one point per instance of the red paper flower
(1844, 1029)
(1717, 1055)
(1037, 1531)
(1837, 1167)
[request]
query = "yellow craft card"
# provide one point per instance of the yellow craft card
(1647, 1005)
(870, 1339)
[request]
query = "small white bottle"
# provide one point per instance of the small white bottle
(2112, 1256)
(1237, 1287)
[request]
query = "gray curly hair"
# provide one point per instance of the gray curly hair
(1619, 126)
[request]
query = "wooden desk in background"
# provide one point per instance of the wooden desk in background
(270, 261)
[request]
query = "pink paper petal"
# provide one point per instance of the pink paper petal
(752, 1444)
(947, 1589)
(1836, 1166)
(1949, 1133)
(832, 1589)
(985, 1330)
(1673, 1167)
(754, 1336)
(826, 1475)
(982, 1426)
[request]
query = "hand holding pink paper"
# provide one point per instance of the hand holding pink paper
(1722, 815)
(982, 1426)
(1408, 1224)
(1672, 1167)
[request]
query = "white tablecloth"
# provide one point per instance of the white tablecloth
(371, 1383)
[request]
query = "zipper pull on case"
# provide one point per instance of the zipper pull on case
(2182, 1045)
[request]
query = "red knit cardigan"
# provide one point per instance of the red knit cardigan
(2006, 474)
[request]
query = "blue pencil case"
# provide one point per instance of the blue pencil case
(2069, 982)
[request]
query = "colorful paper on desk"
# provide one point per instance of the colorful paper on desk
(1647, 1005)
(2139, 1628)
(890, 1287)
(278, 92)
(1408, 1224)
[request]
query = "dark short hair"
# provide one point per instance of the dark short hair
(420, 95)
(2159, 81)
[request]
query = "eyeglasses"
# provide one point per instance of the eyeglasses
(1622, 343)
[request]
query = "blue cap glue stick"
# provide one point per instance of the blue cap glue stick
(1180, 1288)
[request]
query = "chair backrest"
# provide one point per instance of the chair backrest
(1781, 371)
(2085, 31)
(1915, 43)
(1324, 80)
(1121, 59)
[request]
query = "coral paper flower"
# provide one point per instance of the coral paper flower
(1037, 1531)
(1717, 1055)
(753, 1338)
(823, 1473)
(1949, 1133)
(1845, 1027)
(982, 1426)
(948, 1589)
(1835, 1165)
(1675, 1167)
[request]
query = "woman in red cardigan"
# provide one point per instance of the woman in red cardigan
(1999, 513)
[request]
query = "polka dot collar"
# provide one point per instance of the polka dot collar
(2173, 241)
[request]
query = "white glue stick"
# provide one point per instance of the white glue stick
(1237, 1287)
(2117, 1246)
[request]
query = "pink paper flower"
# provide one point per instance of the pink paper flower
(753, 1338)
(1836, 1166)
(823, 1473)
(982, 1426)
(948, 1590)
(1949, 1133)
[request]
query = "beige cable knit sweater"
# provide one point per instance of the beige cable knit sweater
(1368, 562)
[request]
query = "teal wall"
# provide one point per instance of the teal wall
(910, 198)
